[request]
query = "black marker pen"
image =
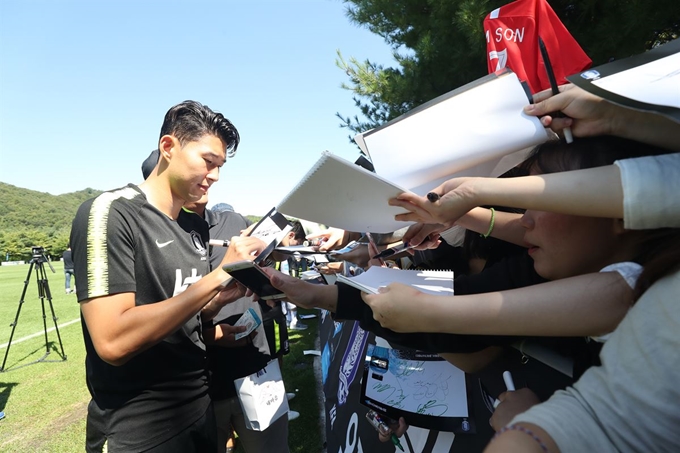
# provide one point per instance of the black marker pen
(568, 136)
(433, 197)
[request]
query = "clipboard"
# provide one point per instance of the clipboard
(648, 81)
(341, 194)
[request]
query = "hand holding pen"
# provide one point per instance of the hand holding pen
(587, 114)
(394, 250)
(511, 403)
(509, 385)
(373, 251)
(385, 432)
(444, 205)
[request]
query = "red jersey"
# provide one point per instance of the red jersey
(512, 33)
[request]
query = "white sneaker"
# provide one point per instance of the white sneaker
(290, 396)
(292, 415)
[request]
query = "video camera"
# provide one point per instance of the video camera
(39, 256)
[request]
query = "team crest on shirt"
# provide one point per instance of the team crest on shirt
(199, 245)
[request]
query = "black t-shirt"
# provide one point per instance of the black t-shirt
(68, 260)
(227, 364)
(121, 244)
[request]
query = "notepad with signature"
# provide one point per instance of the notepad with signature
(341, 194)
(428, 281)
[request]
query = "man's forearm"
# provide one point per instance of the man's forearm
(120, 329)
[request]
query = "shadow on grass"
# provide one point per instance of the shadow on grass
(51, 348)
(5, 390)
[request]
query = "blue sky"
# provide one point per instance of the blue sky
(84, 86)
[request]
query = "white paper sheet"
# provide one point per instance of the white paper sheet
(657, 82)
(465, 132)
(432, 282)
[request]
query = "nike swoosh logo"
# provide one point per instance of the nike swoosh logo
(163, 244)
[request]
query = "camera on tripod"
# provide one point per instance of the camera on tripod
(38, 263)
(39, 257)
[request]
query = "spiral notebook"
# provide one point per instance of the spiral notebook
(439, 283)
(338, 193)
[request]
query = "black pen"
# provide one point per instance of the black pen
(568, 137)
(219, 242)
(394, 250)
(433, 197)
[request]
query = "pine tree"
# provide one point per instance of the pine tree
(439, 45)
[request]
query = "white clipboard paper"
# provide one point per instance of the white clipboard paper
(648, 81)
(466, 132)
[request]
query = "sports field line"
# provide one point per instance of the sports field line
(37, 334)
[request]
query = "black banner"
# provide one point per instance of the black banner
(347, 430)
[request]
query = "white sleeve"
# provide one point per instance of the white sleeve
(454, 236)
(630, 272)
(630, 402)
(650, 191)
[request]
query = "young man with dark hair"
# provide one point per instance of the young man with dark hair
(145, 286)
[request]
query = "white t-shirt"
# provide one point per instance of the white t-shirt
(632, 402)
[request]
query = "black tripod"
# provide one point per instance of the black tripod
(37, 261)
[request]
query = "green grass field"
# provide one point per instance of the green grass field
(45, 403)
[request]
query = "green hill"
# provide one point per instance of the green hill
(28, 218)
(31, 218)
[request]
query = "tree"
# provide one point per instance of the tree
(29, 218)
(439, 45)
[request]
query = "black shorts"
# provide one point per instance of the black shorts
(199, 437)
